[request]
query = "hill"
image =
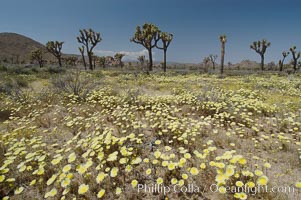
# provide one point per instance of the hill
(16, 48)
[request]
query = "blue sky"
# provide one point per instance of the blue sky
(196, 25)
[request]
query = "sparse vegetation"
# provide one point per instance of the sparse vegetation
(87, 139)
(111, 132)
(74, 83)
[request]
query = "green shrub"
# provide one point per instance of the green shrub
(76, 83)
(19, 70)
(56, 70)
(3, 68)
(12, 85)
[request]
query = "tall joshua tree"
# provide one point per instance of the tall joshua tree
(166, 39)
(55, 47)
(82, 52)
(212, 59)
(223, 40)
(260, 47)
(284, 55)
(89, 39)
(296, 56)
(147, 36)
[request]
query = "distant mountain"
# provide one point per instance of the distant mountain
(17, 48)
(248, 63)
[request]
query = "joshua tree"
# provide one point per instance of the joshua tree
(82, 52)
(223, 40)
(260, 47)
(141, 59)
(89, 39)
(55, 47)
(212, 59)
(296, 56)
(118, 57)
(166, 39)
(206, 61)
(284, 54)
(102, 61)
(70, 60)
(147, 37)
(37, 55)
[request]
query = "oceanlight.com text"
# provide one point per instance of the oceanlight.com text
(192, 188)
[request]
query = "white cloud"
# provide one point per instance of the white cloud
(129, 55)
(104, 53)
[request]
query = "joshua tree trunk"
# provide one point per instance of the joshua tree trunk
(222, 57)
(90, 60)
(94, 63)
(150, 55)
(295, 65)
(164, 65)
(262, 62)
(41, 63)
(281, 67)
(84, 61)
(60, 61)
